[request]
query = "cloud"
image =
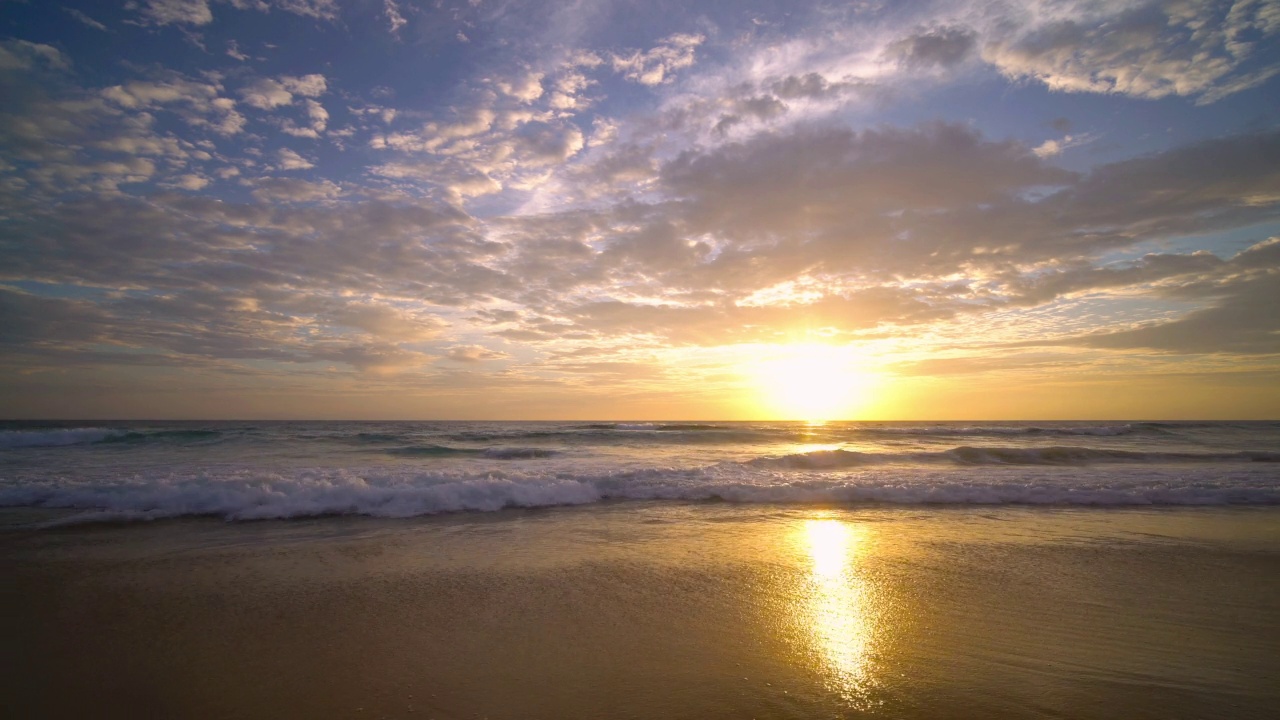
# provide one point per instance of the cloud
(295, 190)
(25, 55)
(199, 103)
(319, 9)
(1148, 50)
(832, 182)
(570, 199)
(386, 322)
(394, 18)
(1053, 148)
(85, 19)
(190, 182)
(313, 85)
(266, 93)
(199, 12)
(308, 274)
(304, 292)
(1224, 182)
(656, 65)
(1243, 291)
(317, 117)
(526, 87)
(473, 354)
(290, 160)
(140, 94)
(544, 144)
(939, 47)
(167, 12)
(31, 320)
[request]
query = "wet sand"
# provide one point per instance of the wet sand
(652, 610)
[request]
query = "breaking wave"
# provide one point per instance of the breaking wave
(243, 471)
(965, 455)
(999, 430)
(495, 453)
(174, 435)
(54, 438)
(89, 435)
(257, 494)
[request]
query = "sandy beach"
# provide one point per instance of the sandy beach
(652, 610)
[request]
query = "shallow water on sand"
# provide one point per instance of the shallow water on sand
(654, 610)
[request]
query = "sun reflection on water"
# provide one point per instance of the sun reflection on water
(838, 607)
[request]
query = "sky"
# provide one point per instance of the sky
(491, 209)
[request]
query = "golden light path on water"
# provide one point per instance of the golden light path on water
(838, 607)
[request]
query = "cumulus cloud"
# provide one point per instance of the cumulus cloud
(473, 354)
(1242, 319)
(266, 94)
(544, 144)
(1053, 147)
(166, 12)
(937, 47)
(612, 206)
(874, 223)
(295, 190)
(317, 121)
(526, 87)
(313, 85)
(190, 182)
(24, 55)
(394, 18)
(290, 160)
(149, 94)
(656, 65)
(199, 12)
(1147, 50)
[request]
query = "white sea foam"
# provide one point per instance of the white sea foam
(282, 470)
(997, 430)
(390, 492)
(967, 455)
(54, 438)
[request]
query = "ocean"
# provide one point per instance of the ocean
(101, 471)
(640, 570)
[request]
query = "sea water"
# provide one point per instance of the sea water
(259, 470)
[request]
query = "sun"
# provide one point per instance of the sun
(811, 381)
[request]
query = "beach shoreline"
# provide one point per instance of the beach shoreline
(654, 609)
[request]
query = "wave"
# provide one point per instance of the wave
(999, 430)
(144, 436)
(429, 451)
(517, 453)
(93, 436)
(256, 495)
(966, 455)
(634, 433)
(1084, 456)
(54, 438)
(378, 437)
(495, 453)
(658, 427)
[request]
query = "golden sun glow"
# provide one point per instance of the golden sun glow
(811, 381)
(841, 620)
